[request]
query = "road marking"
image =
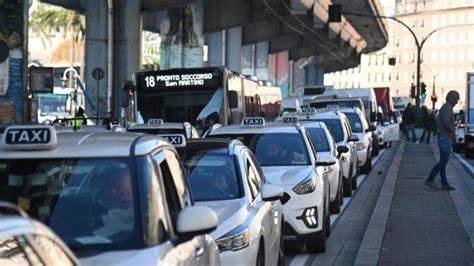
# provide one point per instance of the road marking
(465, 163)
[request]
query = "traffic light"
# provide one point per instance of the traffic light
(413, 92)
(392, 61)
(423, 90)
(434, 98)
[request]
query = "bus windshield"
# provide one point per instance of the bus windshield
(176, 105)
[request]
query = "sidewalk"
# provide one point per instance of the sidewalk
(423, 226)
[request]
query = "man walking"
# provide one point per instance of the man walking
(446, 135)
(409, 120)
(428, 121)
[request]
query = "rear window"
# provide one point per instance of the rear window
(318, 136)
(212, 176)
(355, 122)
(275, 149)
(335, 128)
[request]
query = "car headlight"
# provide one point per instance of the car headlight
(308, 185)
(360, 146)
(234, 242)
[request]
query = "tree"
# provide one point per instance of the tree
(47, 20)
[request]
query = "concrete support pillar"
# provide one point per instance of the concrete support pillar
(248, 60)
(278, 71)
(96, 55)
(234, 49)
(216, 48)
(314, 75)
(182, 40)
(127, 35)
(261, 68)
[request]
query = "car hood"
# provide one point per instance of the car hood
(287, 175)
(231, 214)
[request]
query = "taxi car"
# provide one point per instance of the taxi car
(328, 151)
(24, 241)
(288, 159)
(226, 177)
(159, 127)
(363, 130)
(114, 198)
(339, 126)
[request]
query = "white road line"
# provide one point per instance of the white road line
(299, 260)
(465, 163)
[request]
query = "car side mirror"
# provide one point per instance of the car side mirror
(353, 138)
(194, 221)
(342, 149)
(371, 128)
(326, 162)
(271, 192)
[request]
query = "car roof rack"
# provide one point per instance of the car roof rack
(7, 208)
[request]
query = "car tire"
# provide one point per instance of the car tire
(281, 250)
(354, 184)
(348, 185)
(318, 244)
(327, 224)
(376, 148)
(457, 148)
(367, 167)
(335, 206)
(260, 255)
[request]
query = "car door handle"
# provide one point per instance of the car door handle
(198, 251)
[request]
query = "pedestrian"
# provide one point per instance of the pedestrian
(409, 119)
(79, 119)
(428, 121)
(446, 134)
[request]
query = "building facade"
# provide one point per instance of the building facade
(447, 55)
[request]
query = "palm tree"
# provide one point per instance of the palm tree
(47, 20)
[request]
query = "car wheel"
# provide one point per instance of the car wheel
(348, 185)
(376, 148)
(367, 167)
(335, 206)
(260, 255)
(327, 223)
(281, 250)
(318, 244)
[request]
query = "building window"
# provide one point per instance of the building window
(397, 77)
(422, 24)
(368, 78)
(413, 75)
(375, 80)
(383, 77)
(414, 23)
(413, 58)
(398, 42)
(389, 77)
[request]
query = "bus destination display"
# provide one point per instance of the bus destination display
(210, 77)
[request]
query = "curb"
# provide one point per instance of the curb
(369, 252)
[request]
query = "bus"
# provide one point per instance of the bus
(193, 94)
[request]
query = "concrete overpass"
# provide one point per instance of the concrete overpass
(241, 34)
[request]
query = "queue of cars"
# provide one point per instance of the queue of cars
(155, 194)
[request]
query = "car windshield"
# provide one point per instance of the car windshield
(318, 136)
(275, 149)
(88, 202)
(335, 128)
(212, 176)
(157, 131)
(355, 122)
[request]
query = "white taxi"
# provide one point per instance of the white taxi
(159, 127)
(288, 159)
(114, 198)
(363, 131)
(328, 151)
(24, 241)
(339, 126)
(226, 177)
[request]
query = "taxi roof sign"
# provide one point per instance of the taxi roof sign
(155, 122)
(37, 137)
(308, 110)
(290, 119)
(177, 140)
(253, 121)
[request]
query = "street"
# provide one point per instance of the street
(394, 219)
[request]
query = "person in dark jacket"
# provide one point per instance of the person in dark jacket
(428, 121)
(409, 120)
(446, 134)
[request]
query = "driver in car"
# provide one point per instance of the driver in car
(276, 152)
(116, 198)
